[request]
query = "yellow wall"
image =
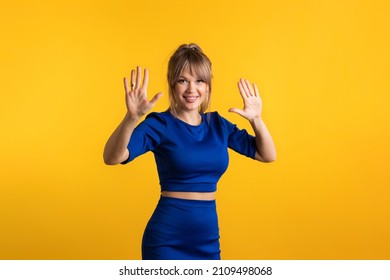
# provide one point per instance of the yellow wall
(323, 71)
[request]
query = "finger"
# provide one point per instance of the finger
(248, 87)
(146, 80)
(126, 85)
(138, 78)
(132, 79)
(256, 90)
(243, 92)
(237, 111)
(156, 98)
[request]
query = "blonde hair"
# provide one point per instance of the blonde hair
(189, 57)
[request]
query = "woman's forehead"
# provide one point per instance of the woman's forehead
(193, 70)
(188, 72)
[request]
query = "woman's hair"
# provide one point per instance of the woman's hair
(189, 57)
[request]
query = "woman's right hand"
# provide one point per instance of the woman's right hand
(136, 94)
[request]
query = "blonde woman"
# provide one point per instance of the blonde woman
(190, 147)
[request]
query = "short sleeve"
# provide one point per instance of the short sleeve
(146, 136)
(240, 140)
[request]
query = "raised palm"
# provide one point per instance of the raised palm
(137, 102)
(252, 101)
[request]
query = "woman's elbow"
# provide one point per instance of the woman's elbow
(114, 159)
(109, 161)
(265, 158)
(269, 160)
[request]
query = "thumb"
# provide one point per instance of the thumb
(237, 111)
(156, 98)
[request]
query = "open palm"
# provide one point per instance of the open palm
(252, 101)
(137, 102)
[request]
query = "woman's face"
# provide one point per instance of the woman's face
(190, 91)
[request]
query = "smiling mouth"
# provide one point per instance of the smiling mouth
(190, 99)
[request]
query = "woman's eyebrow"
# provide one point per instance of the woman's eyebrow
(186, 77)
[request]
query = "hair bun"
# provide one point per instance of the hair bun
(194, 47)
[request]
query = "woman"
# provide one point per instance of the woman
(190, 148)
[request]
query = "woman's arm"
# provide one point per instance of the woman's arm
(116, 150)
(265, 148)
(138, 105)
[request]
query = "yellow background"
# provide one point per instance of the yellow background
(323, 71)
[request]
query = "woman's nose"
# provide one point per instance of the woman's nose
(191, 87)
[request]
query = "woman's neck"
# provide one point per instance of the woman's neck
(192, 117)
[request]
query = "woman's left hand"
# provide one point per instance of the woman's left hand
(252, 101)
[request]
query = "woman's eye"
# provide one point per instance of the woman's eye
(199, 81)
(182, 81)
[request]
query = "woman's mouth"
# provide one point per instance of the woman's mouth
(190, 99)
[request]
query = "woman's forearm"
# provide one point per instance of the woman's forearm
(266, 151)
(116, 150)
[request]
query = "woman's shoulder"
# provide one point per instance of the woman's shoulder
(216, 119)
(158, 116)
(215, 116)
(154, 120)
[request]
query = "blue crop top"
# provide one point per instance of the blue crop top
(189, 158)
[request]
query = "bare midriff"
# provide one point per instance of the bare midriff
(190, 195)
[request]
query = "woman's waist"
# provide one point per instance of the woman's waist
(189, 195)
(184, 186)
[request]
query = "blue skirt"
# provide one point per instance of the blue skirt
(182, 229)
